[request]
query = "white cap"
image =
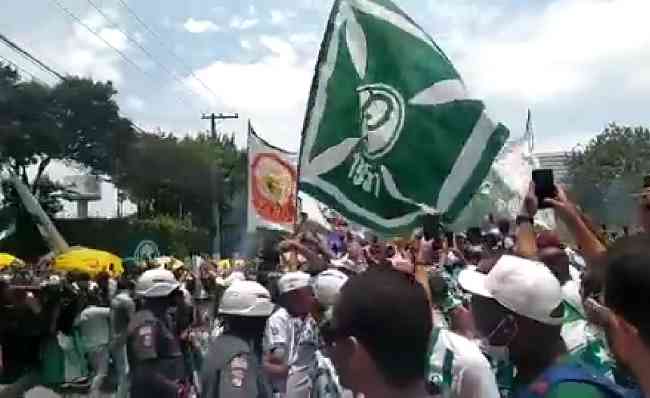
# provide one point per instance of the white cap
(293, 281)
(327, 286)
(526, 287)
(246, 298)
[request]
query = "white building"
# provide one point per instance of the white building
(556, 161)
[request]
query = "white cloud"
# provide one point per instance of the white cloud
(272, 91)
(279, 47)
(114, 37)
(240, 23)
(85, 54)
(200, 26)
(280, 17)
(246, 44)
(551, 54)
(252, 10)
(134, 103)
(304, 38)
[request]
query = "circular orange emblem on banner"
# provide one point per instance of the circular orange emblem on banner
(274, 188)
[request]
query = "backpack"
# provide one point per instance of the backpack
(574, 373)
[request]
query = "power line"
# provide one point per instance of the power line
(43, 66)
(117, 50)
(163, 44)
(25, 54)
(173, 74)
(23, 70)
(33, 76)
(89, 29)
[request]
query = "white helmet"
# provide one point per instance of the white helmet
(327, 286)
(235, 276)
(293, 281)
(246, 298)
(156, 283)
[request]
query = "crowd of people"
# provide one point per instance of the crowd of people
(505, 309)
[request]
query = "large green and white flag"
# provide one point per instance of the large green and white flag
(390, 132)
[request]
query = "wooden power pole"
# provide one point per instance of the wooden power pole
(215, 180)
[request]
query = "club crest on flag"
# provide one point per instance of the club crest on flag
(272, 186)
(391, 133)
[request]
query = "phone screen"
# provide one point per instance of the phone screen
(544, 186)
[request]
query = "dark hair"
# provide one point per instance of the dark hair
(627, 282)
(388, 312)
(504, 226)
(438, 287)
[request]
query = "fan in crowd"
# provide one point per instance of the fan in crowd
(505, 309)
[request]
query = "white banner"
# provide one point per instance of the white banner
(272, 186)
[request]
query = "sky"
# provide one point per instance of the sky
(577, 64)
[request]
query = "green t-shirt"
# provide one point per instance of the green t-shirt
(574, 390)
(569, 389)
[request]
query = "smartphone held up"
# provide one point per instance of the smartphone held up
(544, 187)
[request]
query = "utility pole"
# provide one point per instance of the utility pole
(216, 179)
(213, 121)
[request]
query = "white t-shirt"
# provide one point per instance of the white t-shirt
(460, 369)
(306, 344)
(279, 334)
(303, 362)
(94, 326)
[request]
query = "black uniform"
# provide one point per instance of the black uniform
(233, 370)
(154, 347)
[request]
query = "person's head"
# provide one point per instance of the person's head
(156, 286)
(504, 226)
(517, 304)
(245, 307)
(380, 331)
(439, 287)
(557, 260)
(493, 238)
(296, 294)
(124, 283)
(627, 294)
(473, 253)
(546, 239)
(327, 286)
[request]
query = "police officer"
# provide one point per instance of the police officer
(232, 368)
(155, 358)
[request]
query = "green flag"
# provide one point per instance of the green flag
(390, 132)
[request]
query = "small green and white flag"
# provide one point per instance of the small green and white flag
(390, 132)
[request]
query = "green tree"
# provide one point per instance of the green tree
(171, 176)
(76, 120)
(610, 167)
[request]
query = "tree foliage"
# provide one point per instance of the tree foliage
(76, 120)
(608, 169)
(167, 175)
